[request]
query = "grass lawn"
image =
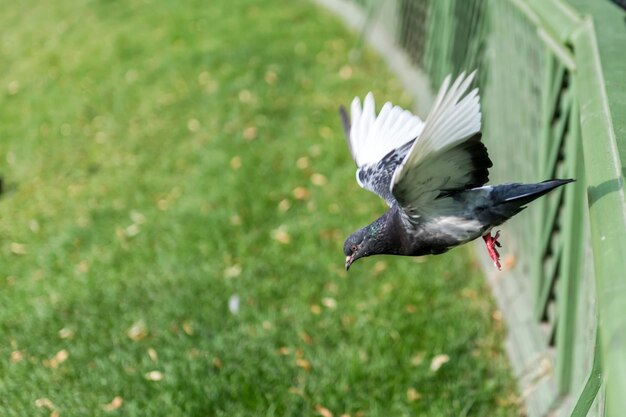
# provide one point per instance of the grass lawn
(160, 159)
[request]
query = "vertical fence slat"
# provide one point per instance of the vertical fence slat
(607, 209)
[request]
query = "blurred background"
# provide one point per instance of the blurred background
(175, 192)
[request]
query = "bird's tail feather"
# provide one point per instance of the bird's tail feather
(522, 194)
(510, 199)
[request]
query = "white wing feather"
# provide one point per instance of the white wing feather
(372, 137)
(433, 163)
(450, 121)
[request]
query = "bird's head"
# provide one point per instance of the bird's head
(356, 246)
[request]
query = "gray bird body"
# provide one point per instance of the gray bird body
(432, 175)
(477, 211)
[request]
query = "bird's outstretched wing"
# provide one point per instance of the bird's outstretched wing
(447, 156)
(379, 143)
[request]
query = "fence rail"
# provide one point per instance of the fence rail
(551, 74)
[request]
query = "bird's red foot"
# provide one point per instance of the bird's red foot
(492, 242)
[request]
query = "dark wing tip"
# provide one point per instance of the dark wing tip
(479, 164)
(345, 121)
(480, 160)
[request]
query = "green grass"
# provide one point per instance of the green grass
(150, 151)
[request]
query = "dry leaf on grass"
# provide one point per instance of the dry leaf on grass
(193, 125)
(138, 331)
(154, 376)
(438, 362)
(16, 356)
(250, 133)
(281, 236)
(412, 394)
(132, 230)
(235, 220)
(232, 271)
(332, 287)
(270, 77)
(302, 162)
(497, 315)
(329, 302)
(303, 363)
(18, 248)
(318, 180)
(245, 96)
(187, 328)
(217, 363)
(284, 351)
(323, 411)
(235, 162)
(137, 217)
(345, 72)
(204, 77)
(315, 150)
(379, 267)
(44, 403)
(82, 267)
(417, 359)
(387, 287)
(13, 88)
(300, 193)
(284, 205)
(60, 357)
(306, 338)
(114, 404)
(326, 132)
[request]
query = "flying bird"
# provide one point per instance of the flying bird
(432, 175)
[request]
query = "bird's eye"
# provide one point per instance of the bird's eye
(353, 248)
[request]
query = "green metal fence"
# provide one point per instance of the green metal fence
(553, 85)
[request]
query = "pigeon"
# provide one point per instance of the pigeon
(432, 175)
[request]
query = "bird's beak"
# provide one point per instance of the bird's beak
(349, 260)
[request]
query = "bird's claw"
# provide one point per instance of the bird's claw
(495, 240)
(491, 242)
